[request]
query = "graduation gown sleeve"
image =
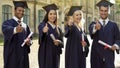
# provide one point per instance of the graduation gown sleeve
(61, 38)
(117, 37)
(7, 29)
(41, 34)
(91, 28)
(68, 30)
(86, 47)
(61, 45)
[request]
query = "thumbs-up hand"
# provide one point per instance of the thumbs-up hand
(97, 25)
(45, 29)
(19, 28)
(70, 21)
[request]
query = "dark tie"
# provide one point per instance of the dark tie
(19, 21)
(103, 23)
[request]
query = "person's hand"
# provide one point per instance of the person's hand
(97, 25)
(56, 42)
(70, 23)
(45, 29)
(113, 48)
(83, 43)
(28, 41)
(19, 28)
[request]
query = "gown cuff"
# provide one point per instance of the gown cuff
(14, 30)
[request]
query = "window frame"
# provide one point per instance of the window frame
(6, 12)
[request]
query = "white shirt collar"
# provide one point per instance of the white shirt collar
(101, 21)
(53, 26)
(22, 23)
(16, 19)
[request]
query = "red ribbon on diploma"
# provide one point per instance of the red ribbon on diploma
(104, 44)
(106, 47)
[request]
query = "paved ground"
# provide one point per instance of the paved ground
(1, 56)
(34, 57)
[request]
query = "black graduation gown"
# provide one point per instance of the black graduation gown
(49, 54)
(74, 55)
(15, 56)
(101, 57)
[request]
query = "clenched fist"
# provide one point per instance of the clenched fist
(56, 42)
(83, 43)
(19, 28)
(113, 48)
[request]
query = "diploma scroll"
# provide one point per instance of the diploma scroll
(27, 39)
(83, 41)
(105, 44)
(53, 38)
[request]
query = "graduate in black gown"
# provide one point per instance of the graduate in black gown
(15, 32)
(50, 47)
(77, 42)
(107, 31)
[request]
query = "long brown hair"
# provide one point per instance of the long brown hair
(55, 22)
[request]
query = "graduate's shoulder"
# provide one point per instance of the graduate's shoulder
(9, 21)
(93, 22)
(113, 22)
(60, 29)
(41, 25)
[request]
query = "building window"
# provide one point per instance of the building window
(26, 18)
(41, 14)
(6, 12)
(95, 2)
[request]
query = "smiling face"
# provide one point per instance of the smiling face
(52, 15)
(103, 12)
(19, 12)
(77, 16)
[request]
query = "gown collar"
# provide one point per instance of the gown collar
(53, 26)
(101, 21)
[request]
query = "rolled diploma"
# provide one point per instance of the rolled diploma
(83, 41)
(27, 39)
(105, 44)
(52, 36)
